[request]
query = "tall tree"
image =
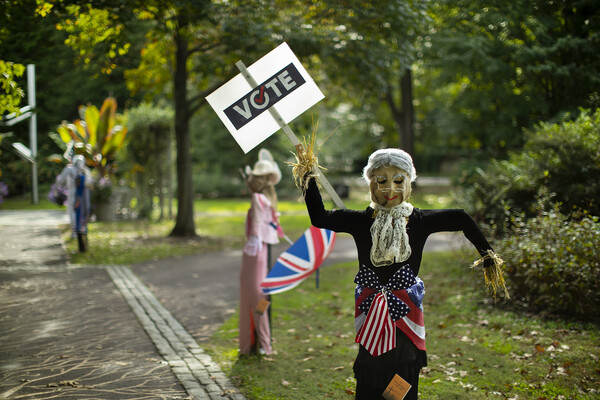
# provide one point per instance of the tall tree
(191, 46)
(173, 37)
(505, 67)
(374, 45)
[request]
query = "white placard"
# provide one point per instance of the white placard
(283, 84)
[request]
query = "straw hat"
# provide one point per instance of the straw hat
(265, 165)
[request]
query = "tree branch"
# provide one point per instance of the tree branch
(200, 98)
(199, 49)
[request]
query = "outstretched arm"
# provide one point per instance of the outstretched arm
(459, 220)
(335, 220)
(454, 220)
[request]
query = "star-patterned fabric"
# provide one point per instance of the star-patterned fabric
(382, 308)
(402, 279)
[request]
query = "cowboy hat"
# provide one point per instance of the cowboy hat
(265, 165)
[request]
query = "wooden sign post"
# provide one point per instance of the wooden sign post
(247, 107)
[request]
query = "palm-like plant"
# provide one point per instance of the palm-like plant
(96, 135)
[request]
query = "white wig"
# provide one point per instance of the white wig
(390, 157)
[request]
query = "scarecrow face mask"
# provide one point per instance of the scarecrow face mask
(389, 186)
(258, 183)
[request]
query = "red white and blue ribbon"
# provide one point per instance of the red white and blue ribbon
(384, 310)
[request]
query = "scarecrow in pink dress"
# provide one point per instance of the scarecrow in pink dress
(262, 229)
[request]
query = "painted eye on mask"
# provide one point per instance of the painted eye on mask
(398, 183)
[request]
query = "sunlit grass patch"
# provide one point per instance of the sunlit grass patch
(135, 241)
(221, 225)
(476, 349)
(313, 337)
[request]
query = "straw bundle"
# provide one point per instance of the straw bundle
(493, 274)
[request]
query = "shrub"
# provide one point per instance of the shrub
(147, 150)
(560, 158)
(553, 263)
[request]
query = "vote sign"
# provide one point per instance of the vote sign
(283, 84)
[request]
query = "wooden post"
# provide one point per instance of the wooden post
(293, 138)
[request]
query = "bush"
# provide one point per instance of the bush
(149, 141)
(553, 263)
(558, 158)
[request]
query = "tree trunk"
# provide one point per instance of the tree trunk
(403, 117)
(407, 112)
(184, 223)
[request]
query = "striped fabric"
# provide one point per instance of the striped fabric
(299, 261)
(378, 333)
(380, 309)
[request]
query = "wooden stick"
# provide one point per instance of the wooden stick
(293, 138)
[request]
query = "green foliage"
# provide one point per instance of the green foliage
(97, 135)
(149, 140)
(11, 94)
(62, 84)
(560, 158)
(553, 264)
(91, 28)
(568, 154)
(504, 68)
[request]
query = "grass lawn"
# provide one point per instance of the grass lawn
(476, 349)
(220, 223)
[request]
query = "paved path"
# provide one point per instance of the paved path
(95, 332)
(115, 332)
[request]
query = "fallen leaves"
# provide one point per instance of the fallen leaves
(539, 348)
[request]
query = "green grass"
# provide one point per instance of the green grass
(128, 242)
(26, 204)
(133, 242)
(476, 349)
(220, 223)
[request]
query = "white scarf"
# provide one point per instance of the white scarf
(388, 233)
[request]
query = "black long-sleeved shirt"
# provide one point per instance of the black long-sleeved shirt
(421, 224)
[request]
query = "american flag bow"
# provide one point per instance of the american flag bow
(379, 309)
(299, 261)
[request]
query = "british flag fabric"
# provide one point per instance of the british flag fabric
(381, 308)
(299, 261)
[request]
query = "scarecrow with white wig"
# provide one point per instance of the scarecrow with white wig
(262, 230)
(390, 235)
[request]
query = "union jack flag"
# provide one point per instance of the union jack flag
(299, 261)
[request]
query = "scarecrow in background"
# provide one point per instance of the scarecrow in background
(262, 229)
(77, 178)
(390, 235)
